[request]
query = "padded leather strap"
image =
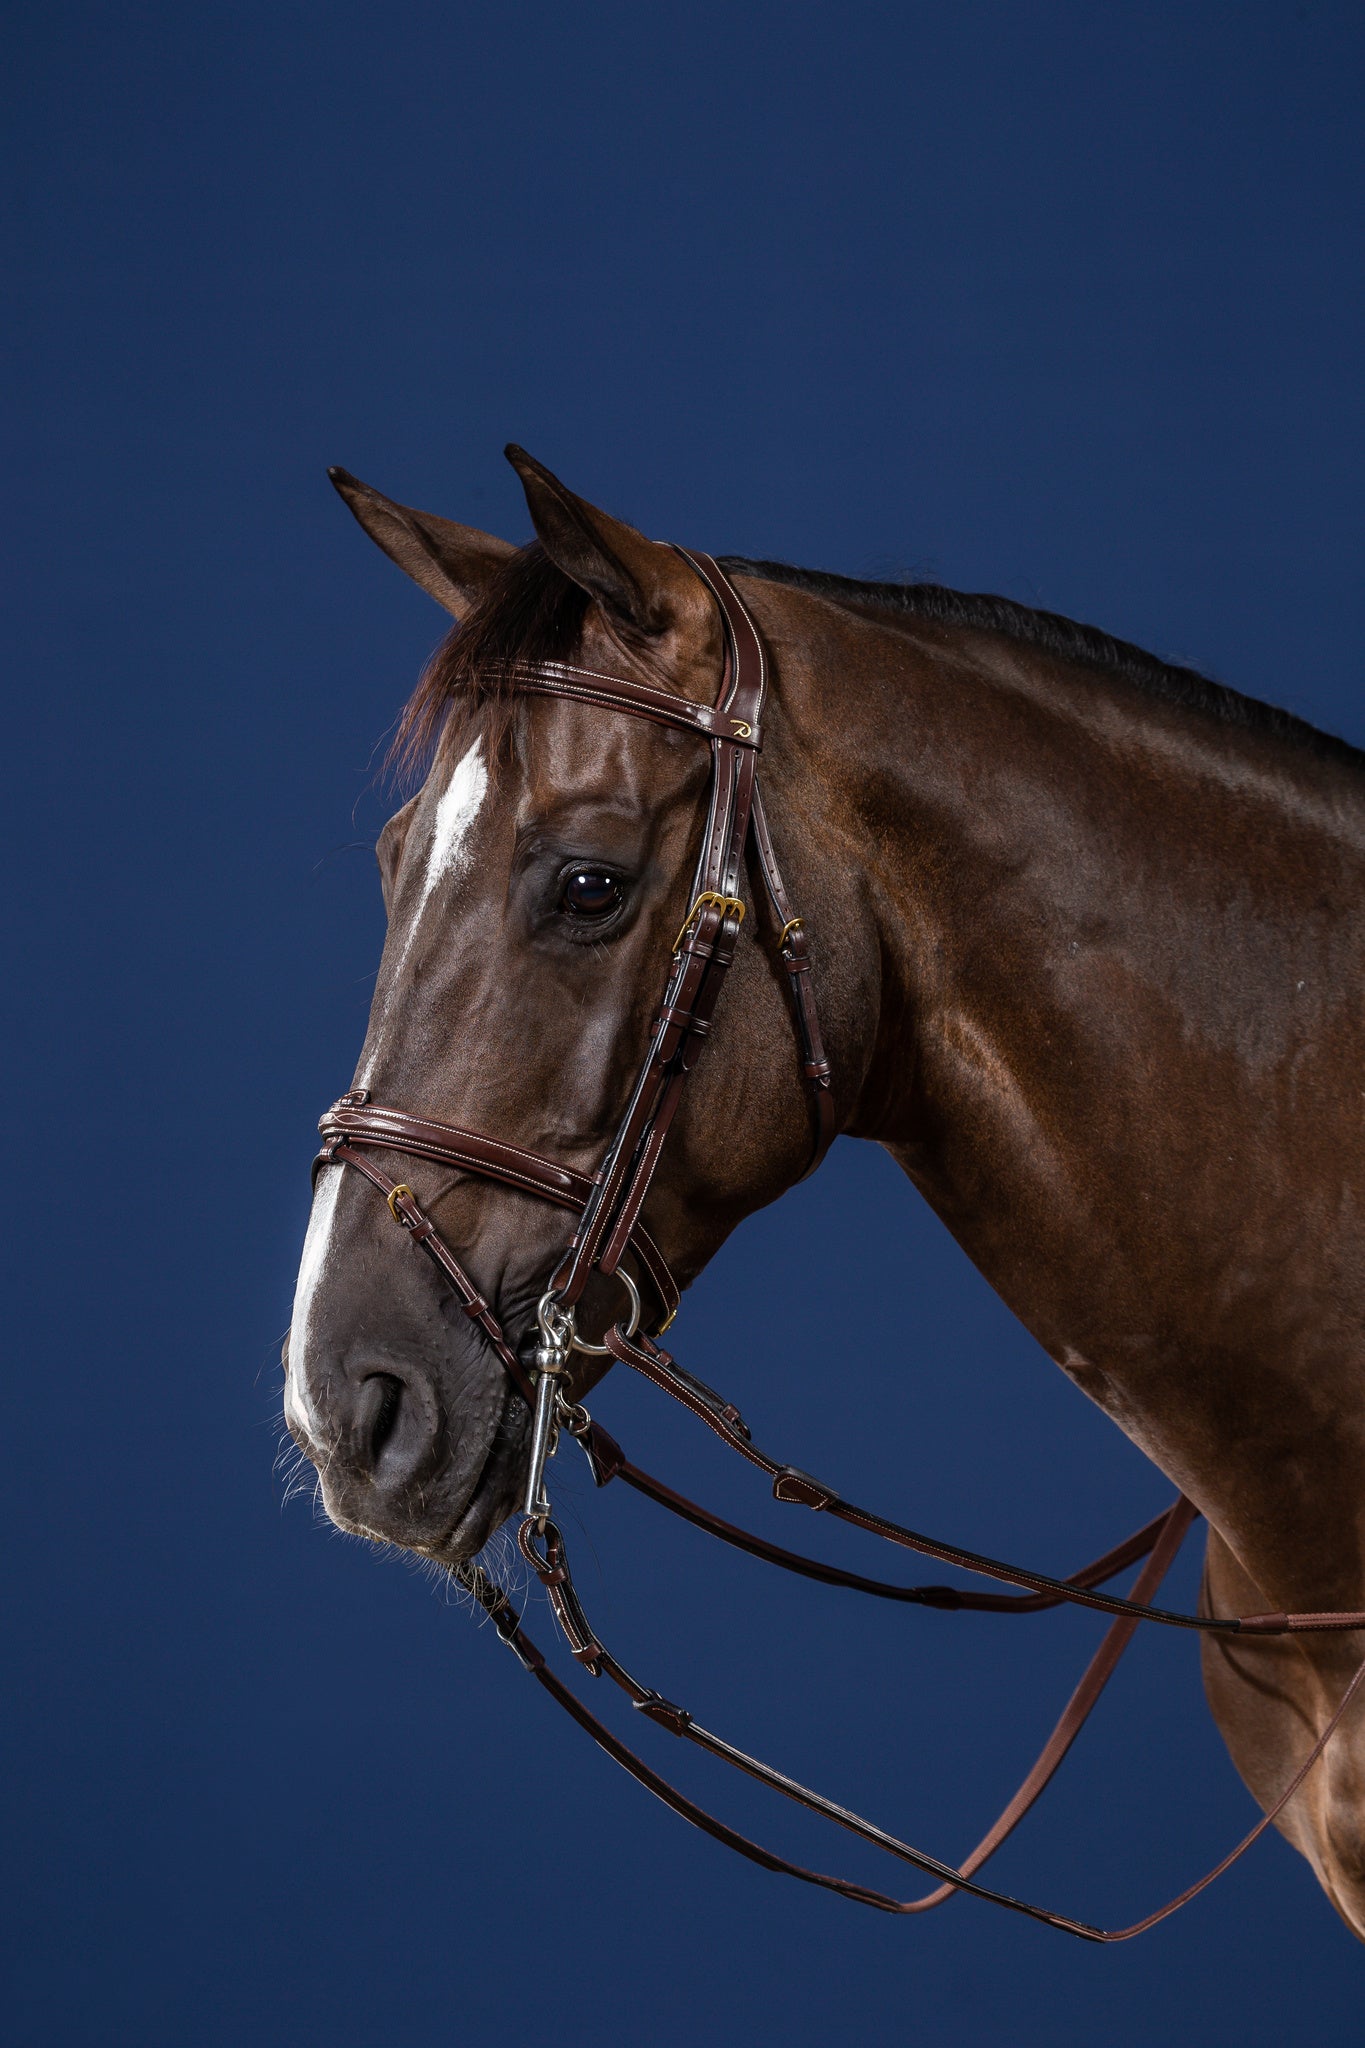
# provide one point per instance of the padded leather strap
(642, 700)
(359, 1121)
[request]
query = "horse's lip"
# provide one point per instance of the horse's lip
(475, 1523)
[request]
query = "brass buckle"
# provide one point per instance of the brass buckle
(724, 904)
(401, 1189)
(793, 924)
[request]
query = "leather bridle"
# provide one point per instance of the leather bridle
(608, 1205)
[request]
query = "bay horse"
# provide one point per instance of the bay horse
(1090, 954)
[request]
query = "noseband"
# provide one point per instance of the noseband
(608, 1205)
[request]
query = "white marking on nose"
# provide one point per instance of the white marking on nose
(447, 857)
(298, 1402)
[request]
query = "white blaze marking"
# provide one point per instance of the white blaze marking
(447, 857)
(298, 1402)
(455, 813)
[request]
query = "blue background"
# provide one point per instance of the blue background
(1063, 301)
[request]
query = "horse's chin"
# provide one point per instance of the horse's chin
(495, 1495)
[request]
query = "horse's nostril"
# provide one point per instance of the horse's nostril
(381, 1401)
(377, 1430)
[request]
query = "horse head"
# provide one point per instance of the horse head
(534, 887)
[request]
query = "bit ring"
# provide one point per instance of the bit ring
(604, 1350)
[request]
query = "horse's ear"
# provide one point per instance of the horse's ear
(640, 582)
(454, 564)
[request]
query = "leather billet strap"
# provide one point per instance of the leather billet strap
(551, 1566)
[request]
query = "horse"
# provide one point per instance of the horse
(1090, 955)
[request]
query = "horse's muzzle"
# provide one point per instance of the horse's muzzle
(397, 1461)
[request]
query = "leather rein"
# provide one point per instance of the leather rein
(608, 1205)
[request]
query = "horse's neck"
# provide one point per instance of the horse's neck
(1119, 1047)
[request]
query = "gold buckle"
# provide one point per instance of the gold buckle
(725, 904)
(793, 924)
(401, 1189)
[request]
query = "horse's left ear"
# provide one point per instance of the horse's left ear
(454, 564)
(641, 582)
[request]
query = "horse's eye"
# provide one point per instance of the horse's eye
(589, 894)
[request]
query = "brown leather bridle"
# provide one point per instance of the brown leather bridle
(608, 1205)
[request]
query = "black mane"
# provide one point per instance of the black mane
(1085, 645)
(533, 612)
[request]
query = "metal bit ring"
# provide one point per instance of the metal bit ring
(604, 1350)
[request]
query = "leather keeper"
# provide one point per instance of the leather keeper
(674, 1719)
(604, 1455)
(803, 1491)
(525, 1652)
(686, 1020)
(507, 1622)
